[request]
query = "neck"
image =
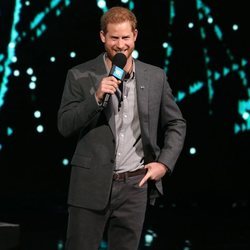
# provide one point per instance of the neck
(129, 66)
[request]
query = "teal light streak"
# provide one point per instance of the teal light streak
(10, 51)
(131, 5)
(217, 76)
(212, 76)
(171, 12)
(239, 69)
(180, 96)
(16, 38)
(67, 2)
(235, 66)
(225, 71)
(103, 5)
(243, 62)
(54, 3)
(39, 17)
(169, 48)
(41, 30)
(42, 15)
(195, 87)
(218, 32)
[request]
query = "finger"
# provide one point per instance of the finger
(144, 179)
(109, 89)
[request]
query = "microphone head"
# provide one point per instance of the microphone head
(119, 60)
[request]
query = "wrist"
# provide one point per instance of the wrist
(98, 100)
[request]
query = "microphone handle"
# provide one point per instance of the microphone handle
(105, 100)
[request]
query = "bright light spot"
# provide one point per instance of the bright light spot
(16, 72)
(29, 71)
(192, 151)
(101, 4)
(72, 54)
(135, 54)
(190, 25)
(210, 20)
(65, 162)
(165, 45)
(149, 237)
(9, 131)
(14, 59)
(39, 128)
(52, 59)
(245, 115)
(60, 245)
(235, 27)
(37, 114)
(124, 1)
(27, 3)
(32, 85)
(12, 45)
(33, 78)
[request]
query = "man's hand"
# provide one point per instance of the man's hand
(156, 171)
(108, 85)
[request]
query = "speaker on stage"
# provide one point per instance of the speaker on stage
(9, 236)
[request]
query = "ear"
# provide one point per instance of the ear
(135, 34)
(102, 36)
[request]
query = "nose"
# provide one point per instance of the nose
(120, 44)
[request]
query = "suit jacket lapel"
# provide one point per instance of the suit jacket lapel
(142, 88)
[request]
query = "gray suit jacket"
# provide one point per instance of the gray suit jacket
(162, 128)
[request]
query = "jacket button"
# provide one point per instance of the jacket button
(112, 161)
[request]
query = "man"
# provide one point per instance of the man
(134, 140)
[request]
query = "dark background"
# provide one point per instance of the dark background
(207, 197)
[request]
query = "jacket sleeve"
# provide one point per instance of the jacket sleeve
(78, 104)
(172, 127)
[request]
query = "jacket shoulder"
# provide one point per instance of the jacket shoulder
(148, 67)
(88, 64)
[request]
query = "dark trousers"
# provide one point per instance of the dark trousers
(122, 221)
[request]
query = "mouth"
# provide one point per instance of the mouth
(119, 51)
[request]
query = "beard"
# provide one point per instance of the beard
(112, 52)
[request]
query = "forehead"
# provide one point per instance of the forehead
(119, 28)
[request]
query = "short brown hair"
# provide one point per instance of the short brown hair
(118, 15)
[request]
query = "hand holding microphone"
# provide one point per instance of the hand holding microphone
(116, 75)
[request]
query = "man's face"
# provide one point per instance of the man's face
(119, 38)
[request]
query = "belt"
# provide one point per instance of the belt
(125, 175)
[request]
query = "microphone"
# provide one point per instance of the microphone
(118, 63)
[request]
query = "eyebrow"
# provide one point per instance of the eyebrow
(114, 36)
